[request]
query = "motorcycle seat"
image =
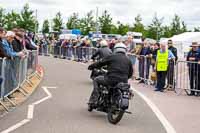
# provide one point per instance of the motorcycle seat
(122, 86)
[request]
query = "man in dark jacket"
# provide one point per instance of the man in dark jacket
(144, 62)
(193, 57)
(119, 70)
(17, 42)
(17, 46)
(102, 52)
(170, 73)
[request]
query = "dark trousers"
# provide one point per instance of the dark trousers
(161, 78)
(79, 53)
(57, 51)
(194, 76)
(144, 67)
(64, 52)
(170, 73)
(100, 80)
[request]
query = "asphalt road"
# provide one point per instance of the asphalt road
(66, 111)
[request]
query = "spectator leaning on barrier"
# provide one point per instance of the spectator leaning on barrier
(17, 42)
(2, 51)
(154, 52)
(144, 62)
(193, 58)
(7, 40)
(131, 52)
(28, 44)
(162, 61)
(171, 67)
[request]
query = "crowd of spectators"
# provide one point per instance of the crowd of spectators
(15, 43)
(143, 57)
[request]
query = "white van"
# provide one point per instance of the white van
(137, 36)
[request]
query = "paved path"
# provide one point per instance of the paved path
(66, 111)
(182, 111)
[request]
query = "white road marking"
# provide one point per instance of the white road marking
(30, 111)
(14, 127)
(168, 127)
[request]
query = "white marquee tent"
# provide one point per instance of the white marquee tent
(183, 41)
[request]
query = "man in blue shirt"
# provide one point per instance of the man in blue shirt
(6, 42)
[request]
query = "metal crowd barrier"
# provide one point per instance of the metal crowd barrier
(187, 77)
(69, 52)
(145, 71)
(15, 72)
(181, 75)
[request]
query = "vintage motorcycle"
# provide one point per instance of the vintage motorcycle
(114, 101)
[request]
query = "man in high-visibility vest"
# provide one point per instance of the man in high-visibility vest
(162, 61)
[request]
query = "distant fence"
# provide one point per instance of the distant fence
(16, 71)
(179, 77)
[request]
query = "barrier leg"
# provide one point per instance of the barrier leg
(13, 103)
(4, 106)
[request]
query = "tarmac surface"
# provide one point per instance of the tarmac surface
(66, 110)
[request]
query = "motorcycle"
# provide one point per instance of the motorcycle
(97, 72)
(114, 101)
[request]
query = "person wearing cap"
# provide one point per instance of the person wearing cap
(171, 67)
(119, 69)
(194, 74)
(7, 40)
(162, 62)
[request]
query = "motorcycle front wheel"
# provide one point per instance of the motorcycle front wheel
(114, 116)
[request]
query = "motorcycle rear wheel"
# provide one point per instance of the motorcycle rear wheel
(115, 116)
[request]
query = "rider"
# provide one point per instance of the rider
(119, 70)
(102, 52)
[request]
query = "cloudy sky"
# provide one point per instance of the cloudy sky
(123, 10)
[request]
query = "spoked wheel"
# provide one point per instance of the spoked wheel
(114, 116)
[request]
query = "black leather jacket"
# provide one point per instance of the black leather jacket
(101, 53)
(118, 65)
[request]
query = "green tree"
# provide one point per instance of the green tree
(73, 21)
(58, 22)
(45, 26)
(197, 29)
(87, 23)
(138, 26)
(27, 19)
(105, 22)
(114, 29)
(166, 32)
(154, 30)
(178, 26)
(184, 27)
(11, 20)
(122, 29)
(2, 17)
